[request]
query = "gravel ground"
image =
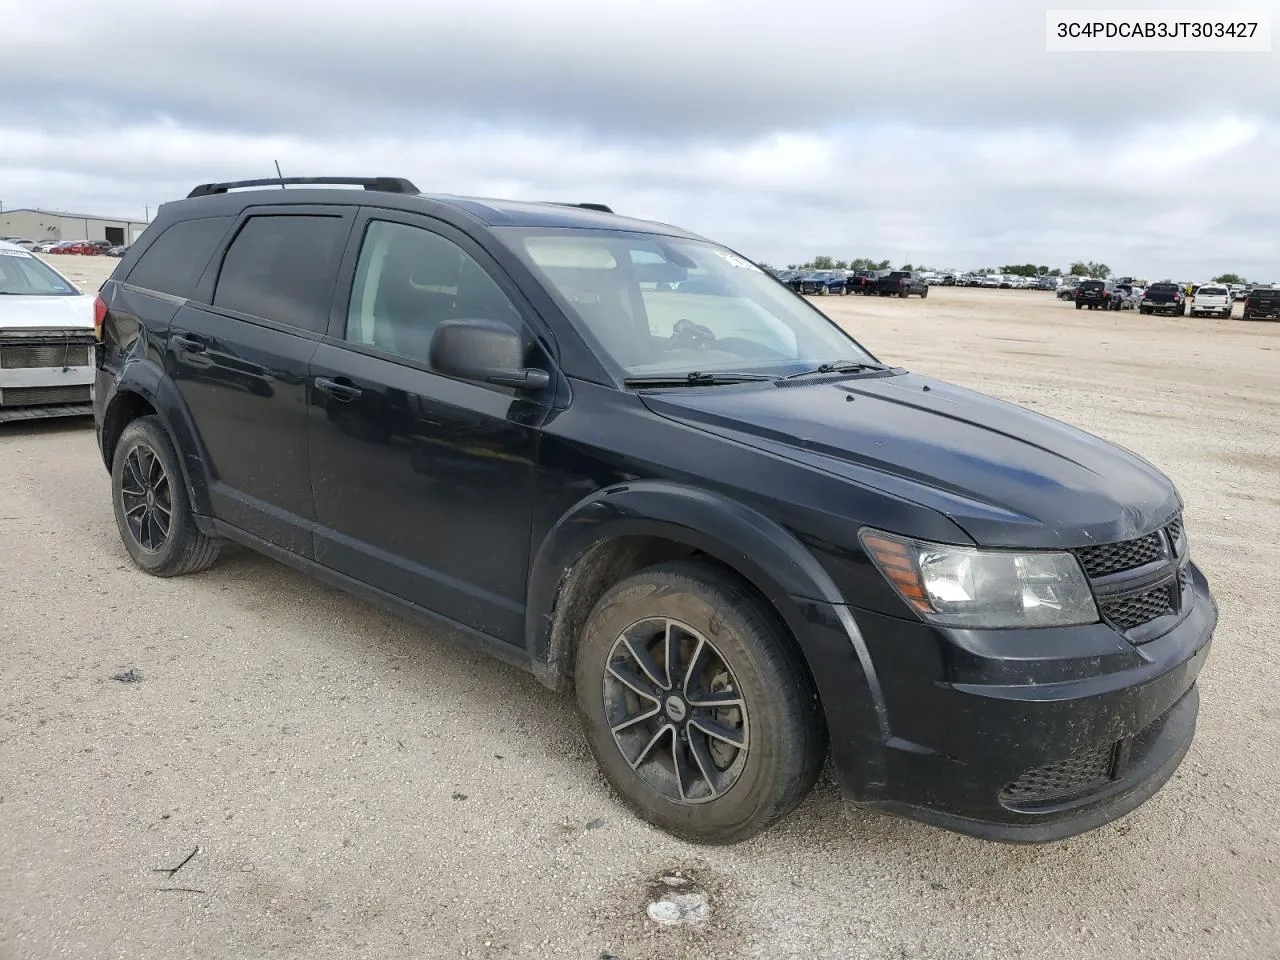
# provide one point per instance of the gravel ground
(354, 786)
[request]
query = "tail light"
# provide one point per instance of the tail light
(99, 315)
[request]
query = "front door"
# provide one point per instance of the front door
(423, 484)
(240, 362)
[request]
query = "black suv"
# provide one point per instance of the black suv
(1098, 295)
(742, 540)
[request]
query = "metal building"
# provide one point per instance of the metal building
(39, 225)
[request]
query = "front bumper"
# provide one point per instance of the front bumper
(1019, 736)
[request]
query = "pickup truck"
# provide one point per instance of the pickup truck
(1211, 300)
(1262, 303)
(1163, 298)
(902, 283)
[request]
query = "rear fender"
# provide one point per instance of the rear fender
(143, 376)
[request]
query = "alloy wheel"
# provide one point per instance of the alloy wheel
(675, 710)
(146, 497)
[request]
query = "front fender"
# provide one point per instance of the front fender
(144, 377)
(756, 547)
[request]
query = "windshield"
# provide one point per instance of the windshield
(1163, 288)
(657, 306)
(1213, 291)
(22, 274)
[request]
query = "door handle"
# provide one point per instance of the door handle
(187, 344)
(339, 391)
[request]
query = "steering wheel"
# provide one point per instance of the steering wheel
(686, 333)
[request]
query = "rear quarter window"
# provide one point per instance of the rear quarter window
(174, 263)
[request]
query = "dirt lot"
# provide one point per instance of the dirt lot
(357, 787)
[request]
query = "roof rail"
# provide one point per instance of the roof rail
(585, 206)
(382, 184)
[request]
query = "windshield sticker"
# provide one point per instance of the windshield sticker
(736, 261)
(5, 252)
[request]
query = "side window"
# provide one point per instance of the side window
(281, 268)
(408, 281)
(174, 263)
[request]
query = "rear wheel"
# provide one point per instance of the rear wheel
(924, 293)
(698, 709)
(151, 507)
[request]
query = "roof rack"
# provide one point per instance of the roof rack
(381, 184)
(585, 206)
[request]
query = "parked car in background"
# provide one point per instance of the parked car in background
(1165, 297)
(985, 618)
(902, 283)
(864, 281)
(46, 340)
(119, 250)
(1097, 295)
(1211, 300)
(823, 282)
(1262, 303)
(989, 280)
(1239, 291)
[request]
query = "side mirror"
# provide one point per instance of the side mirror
(484, 350)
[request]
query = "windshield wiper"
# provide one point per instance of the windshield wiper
(695, 378)
(836, 366)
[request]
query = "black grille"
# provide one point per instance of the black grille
(1077, 774)
(1113, 557)
(1139, 608)
(41, 396)
(24, 355)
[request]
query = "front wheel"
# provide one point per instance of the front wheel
(924, 293)
(698, 708)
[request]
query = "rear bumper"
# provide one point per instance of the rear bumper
(1018, 736)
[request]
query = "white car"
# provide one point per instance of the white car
(1211, 300)
(46, 340)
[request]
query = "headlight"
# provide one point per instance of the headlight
(967, 587)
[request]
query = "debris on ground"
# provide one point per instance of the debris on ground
(689, 909)
(132, 675)
(170, 871)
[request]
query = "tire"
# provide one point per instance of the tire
(1079, 306)
(924, 293)
(172, 551)
(1144, 311)
(902, 295)
(719, 625)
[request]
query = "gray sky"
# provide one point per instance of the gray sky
(937, 132)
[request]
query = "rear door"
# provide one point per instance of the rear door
(239, 353)
(424, 484)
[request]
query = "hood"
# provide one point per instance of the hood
(46, 313)
(1006, 475)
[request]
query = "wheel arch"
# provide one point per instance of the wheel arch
(143, 389)
(619, 530)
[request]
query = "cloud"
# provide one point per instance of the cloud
(940, 132)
